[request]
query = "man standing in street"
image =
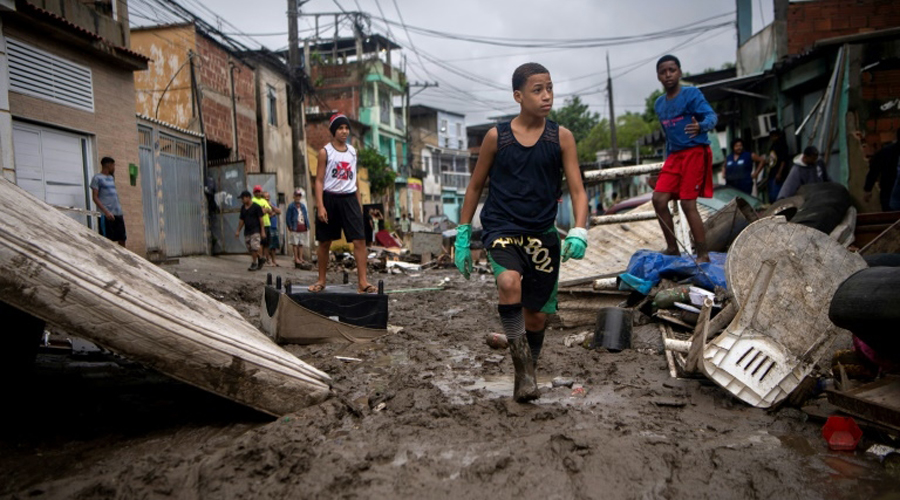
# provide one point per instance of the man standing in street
(103, 192)
(339, 204)
(297, 220)
(404, 226)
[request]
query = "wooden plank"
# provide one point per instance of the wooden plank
(84, 284)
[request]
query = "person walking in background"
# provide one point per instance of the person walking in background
(103, 192)
(339, 204)
(810, 170)
(274, 241)
(739, 167)
(297, 222)
(687, 171)
(252, 222)
(883, 169)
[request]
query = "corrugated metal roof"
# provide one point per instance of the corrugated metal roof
(611, 246)
(157, 121)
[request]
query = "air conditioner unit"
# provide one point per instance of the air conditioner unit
(764, 124)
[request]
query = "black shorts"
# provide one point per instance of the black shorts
(536, 258)
(344, 213)
(113, 229)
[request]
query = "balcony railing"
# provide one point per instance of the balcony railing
(454, 180)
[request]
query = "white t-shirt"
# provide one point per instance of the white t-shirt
(340, 170)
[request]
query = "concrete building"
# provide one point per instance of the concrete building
(53, 134)
(273, 122)
(440, 155)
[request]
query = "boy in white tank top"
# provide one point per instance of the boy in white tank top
(338, 204)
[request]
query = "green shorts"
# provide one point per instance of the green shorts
(537, 259)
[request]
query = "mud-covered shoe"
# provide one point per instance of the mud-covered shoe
(526, 388)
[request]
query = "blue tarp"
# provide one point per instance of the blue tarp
(646, 268)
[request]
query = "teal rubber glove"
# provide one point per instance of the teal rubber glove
(463, 258)
(575, 244)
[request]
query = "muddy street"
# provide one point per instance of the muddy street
(426, 413)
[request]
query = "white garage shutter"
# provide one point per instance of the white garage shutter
(51, 165)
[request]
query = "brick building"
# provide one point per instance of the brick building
(52, 136)
(224, 96)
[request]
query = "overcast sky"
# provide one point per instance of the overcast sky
(573, 70)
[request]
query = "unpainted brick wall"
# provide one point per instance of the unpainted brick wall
(214, 77)
(816, 20)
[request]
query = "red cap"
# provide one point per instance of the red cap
(257, 188)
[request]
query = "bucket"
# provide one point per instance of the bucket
(613, 330)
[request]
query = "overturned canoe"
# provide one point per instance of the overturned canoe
(71, 277)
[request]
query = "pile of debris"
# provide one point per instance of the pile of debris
(763, 319)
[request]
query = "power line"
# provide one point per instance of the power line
(690, 28)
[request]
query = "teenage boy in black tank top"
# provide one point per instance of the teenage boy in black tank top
(525, 160)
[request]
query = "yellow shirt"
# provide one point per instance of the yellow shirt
(259, 200)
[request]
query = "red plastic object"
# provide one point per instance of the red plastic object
(842, 433)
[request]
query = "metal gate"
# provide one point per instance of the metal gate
(172, 187)
(230, 179)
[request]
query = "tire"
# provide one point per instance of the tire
(824, 207)
(866, 304)
(883, 260)
(788, 207)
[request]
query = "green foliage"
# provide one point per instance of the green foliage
(575, 116)
(381, 176)
(597, 139)
(629, 128)
(649, 114)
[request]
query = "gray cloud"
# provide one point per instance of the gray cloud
(524, 19)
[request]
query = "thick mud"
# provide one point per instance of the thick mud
(425, 414)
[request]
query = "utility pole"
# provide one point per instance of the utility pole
(612, 116)
(296, 74)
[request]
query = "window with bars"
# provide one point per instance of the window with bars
(40, 74)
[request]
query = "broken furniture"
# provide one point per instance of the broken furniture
(291, 314)
(782, 277)
(78, 281)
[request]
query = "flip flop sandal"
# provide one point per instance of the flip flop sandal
(316, 288)
(368, 289)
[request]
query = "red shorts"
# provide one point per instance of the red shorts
(687, 174)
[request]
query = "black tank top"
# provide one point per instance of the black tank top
(525, 185)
